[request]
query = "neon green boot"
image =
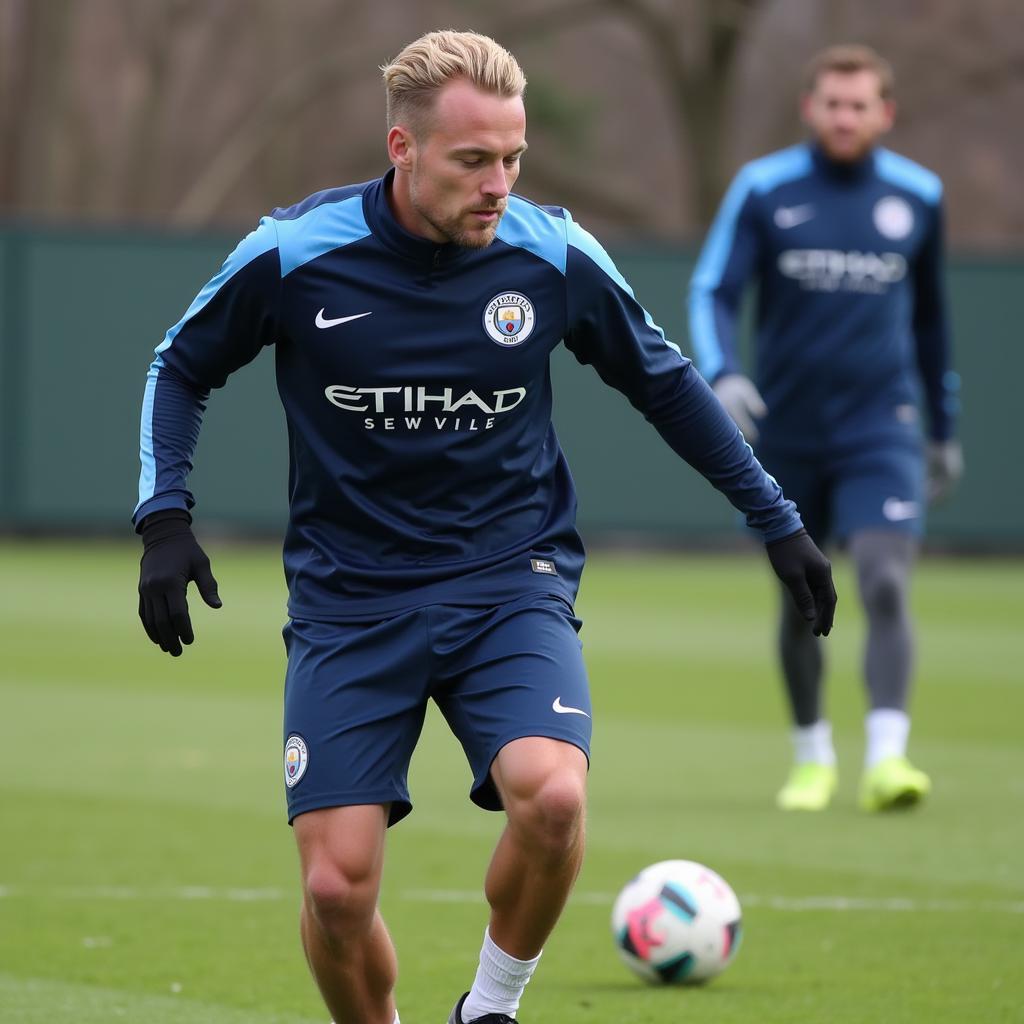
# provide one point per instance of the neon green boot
(892, 784)
(809, 787)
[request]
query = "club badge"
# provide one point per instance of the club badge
(509, 319)
(296, 760)
(893, 217)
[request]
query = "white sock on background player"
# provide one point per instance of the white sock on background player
(499, 982)
(813, 743)
(886, 731)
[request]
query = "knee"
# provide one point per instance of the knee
(883, 592)
(341, 897)
(549, 814)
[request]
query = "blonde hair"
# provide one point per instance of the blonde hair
(847, 59)
(413, 78)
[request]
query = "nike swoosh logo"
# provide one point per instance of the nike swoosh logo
(791, 216)
(322, 321)
(563, 710)
(896, 510)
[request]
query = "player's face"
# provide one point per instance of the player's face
(460, 168)
(847, 114)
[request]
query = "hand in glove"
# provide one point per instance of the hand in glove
(807, 574)
(742, 401)
(171, 557)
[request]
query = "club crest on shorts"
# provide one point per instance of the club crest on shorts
(296, 759)
(509, 319)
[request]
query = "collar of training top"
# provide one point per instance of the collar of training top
(843, 170)
(386, 229)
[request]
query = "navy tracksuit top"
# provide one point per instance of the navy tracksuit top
(851, 322)
(424, 467)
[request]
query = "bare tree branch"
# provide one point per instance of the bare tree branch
(47, 27)
(287, 97)
(697, 90)
(14, 79)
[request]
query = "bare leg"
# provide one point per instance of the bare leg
(350, 953)
(542, 783)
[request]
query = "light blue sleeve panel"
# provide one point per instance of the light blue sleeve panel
(729, 256)
(587, 244)
(259, 241)
(320, 230)
(610, 330)
(536, 229)
(908, 175)
(234, 315)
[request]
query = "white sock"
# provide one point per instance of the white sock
(887, 730)
(499, 983)
(813, 743)
(396, 1020)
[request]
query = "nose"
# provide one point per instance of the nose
(845, 117)
(495, 185)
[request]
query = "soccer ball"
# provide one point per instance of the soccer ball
(677, 923)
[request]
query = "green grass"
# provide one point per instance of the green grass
(147, 875)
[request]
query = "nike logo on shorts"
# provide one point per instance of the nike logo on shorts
(896, 510)
(561, 709)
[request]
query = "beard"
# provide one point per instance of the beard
(452, 228)
(478, 239)
(844, 149)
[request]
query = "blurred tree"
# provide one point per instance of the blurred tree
(37, 41)
(205, 111)
(694, 47)
(261, 129)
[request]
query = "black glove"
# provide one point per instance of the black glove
(807, 575)
(171, 557)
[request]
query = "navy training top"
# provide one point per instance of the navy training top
(851, 321)
(415, 379)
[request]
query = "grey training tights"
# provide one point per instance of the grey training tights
(883, 560)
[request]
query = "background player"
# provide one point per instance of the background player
(431, 548)
(844, 239)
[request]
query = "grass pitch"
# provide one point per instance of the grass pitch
(147, 875)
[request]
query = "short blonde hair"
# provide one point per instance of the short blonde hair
(414, 77)
(846, 59)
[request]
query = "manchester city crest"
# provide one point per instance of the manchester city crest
(509, 318)
(893, 217)
(296, 759)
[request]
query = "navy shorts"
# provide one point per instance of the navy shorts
(878, 487)
(356, 694)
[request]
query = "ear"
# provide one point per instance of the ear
(805, 107)
(401, 147)
(888, 114)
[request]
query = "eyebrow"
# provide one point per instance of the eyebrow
(481, 151)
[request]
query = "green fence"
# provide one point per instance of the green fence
(81, 311)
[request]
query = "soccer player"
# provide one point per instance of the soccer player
(844, 239)
(431, 550)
